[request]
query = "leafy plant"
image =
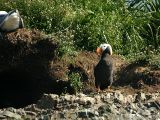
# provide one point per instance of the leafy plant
(151, 30)
(130, 27)
(66, 43)
(75, 81)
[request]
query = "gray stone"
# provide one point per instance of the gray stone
(31, 113)
(139, 117)
(72, 116)
(83, 114)
(104, 109)
(11, 115)
(119, 98)
(84, 100)
(152, 109)
(129, 99)
(108, 98)
(48, 101)
(134, 106)
(140, 97)
(2, 117)
(146, 113)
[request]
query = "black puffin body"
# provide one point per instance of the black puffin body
(103, 71)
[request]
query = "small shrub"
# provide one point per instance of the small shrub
(66, 43)
(149, 56)
(75, 81)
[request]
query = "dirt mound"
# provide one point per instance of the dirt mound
(137, 74)
(24, 59)
(127, 76)
(25, 45)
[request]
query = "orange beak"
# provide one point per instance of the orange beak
(99, 51)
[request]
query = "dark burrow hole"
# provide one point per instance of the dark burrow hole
(19, 88)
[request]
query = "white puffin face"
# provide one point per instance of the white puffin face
(102, 47)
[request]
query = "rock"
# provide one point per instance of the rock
(98, 118)
(74, 106)
(134, 106)
(11, 109)
(129, 99)
(62, 115)
(2, 117)
(91, 114)
(81, 106)
(87, 113)
(84, 100)
(153, 104)
(44, 117)
(106, 96)
(147, 113)
(69, 98)
(30, 113)
(48, 101)
(139, 116)
(55, 115)
(143, 96)
(149, 96)
(83, 114)
(21, 112)
(157, 116)
(97, 99)
(119, 98)
(72, 116)
(104, 109)
(96, 113)
(11, 115)
(152, 109)
(140, 97)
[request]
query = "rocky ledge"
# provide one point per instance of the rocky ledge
(97, 106)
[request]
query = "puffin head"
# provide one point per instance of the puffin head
(104, 48)
(10, 21)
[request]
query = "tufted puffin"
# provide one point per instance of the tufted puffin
(103, 71)
(10, 21)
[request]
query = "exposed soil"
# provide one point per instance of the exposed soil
(128, 77)
(29, 67)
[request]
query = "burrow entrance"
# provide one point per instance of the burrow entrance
(20, 88)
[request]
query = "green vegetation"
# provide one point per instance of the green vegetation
(75, 81)
(132, 29)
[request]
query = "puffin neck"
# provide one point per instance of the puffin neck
(105, 53)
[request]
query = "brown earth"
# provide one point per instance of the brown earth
(128, 77)
(29, 67)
